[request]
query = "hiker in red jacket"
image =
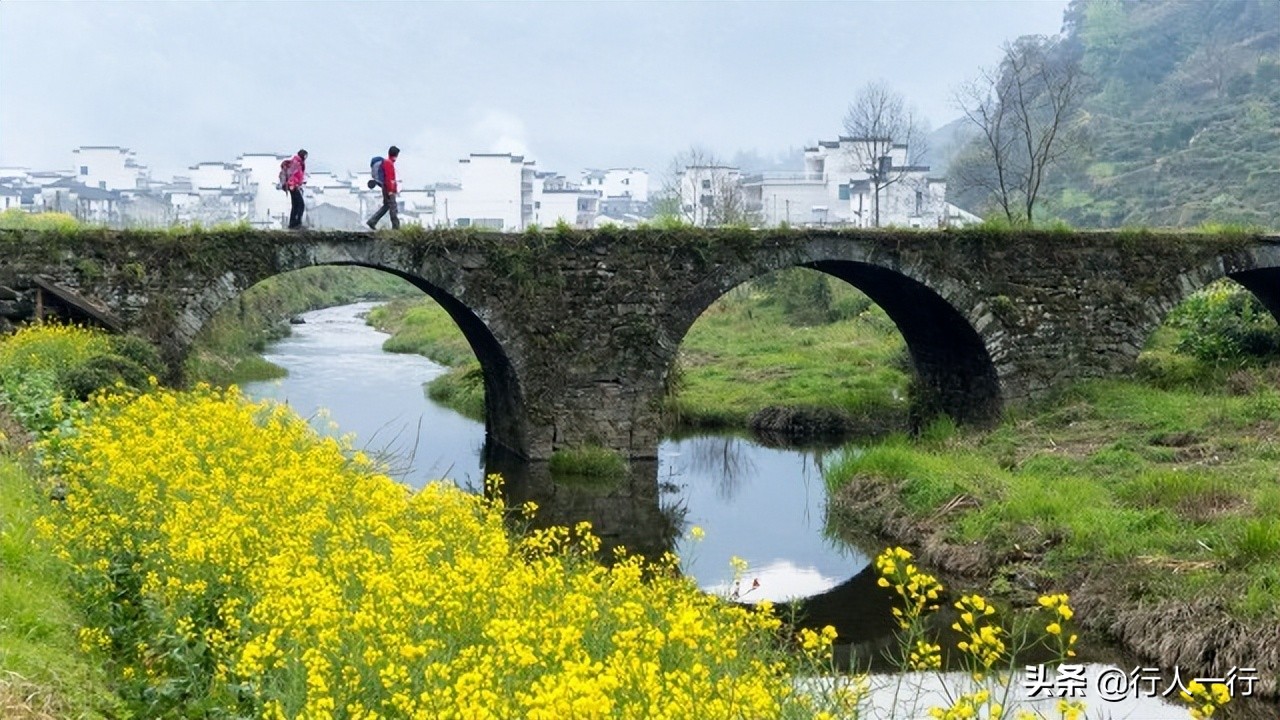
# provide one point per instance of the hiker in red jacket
(296, 176)
(389, 189)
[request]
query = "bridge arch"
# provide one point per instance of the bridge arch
(1256, 269)
(505, 419)
(951, 358)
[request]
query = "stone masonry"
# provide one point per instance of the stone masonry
(577, 332)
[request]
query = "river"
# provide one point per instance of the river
(763, 505)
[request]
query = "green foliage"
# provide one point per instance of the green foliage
(1179, 112)
(40, 663)
(140, 351)
(1237, 231)
(103, 371)
(44, 364)
(804, 295)
(16, 219)
(29, 395)
(1224, 323)
(587, 461)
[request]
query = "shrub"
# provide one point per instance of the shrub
(35, 363)
(804, 295)
(103, 371)
(140, 351)
(1224, 323)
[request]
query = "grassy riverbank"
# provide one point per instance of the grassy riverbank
(418, 325)
(798, 340)
(1156, 498)
(228, 348)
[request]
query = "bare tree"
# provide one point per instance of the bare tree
(878, 122)
(1024, 111)
(700, 189)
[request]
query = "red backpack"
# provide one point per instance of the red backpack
(284, 173)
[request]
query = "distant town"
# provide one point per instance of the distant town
(848, 182)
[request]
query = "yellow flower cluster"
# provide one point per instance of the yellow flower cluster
(985, 641)
(918, 590)
(1060, 611)
(232, 558)
(50, 347)
(969, 706)
(1205, 701)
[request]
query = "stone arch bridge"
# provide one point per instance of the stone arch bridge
(577, 332)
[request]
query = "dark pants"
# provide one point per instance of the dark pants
(295, 212)
(388, 206)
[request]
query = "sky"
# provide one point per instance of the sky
(571, 85)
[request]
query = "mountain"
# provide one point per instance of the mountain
(1180, 113)
(945, 143)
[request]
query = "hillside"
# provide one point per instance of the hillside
(1180, 113)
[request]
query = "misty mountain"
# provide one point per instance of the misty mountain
(1181, 111)
(945, 143)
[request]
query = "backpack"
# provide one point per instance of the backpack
(375, 169)
(284, 173)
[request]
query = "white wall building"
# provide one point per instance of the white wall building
(215, 176)
(495, 192)
(710, 194)
(10, 198)
(838, 187)
(556, 200)
(270, 204)
(618, 182)
(108, 167)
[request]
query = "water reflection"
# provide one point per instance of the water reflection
(625, 512)
(766, 506)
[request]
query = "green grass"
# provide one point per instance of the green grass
(419, 325)
(461, 389)
(42, 672)
(1175, 482)
(743, 355)
(587, 462)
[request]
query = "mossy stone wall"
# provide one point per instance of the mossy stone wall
(577, 330)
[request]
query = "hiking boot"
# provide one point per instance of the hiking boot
(372, 225)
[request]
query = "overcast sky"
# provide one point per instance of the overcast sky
(569, 84)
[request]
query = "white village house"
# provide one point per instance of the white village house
(847, 182)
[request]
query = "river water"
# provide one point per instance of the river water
(763, 505)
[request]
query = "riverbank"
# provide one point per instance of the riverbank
(1157, 505)
(228, 349)
(798, 354)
